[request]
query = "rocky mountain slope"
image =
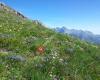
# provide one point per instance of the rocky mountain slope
(10, 10)
(30, 51)
(83, 35)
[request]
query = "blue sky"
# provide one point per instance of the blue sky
(76, 14)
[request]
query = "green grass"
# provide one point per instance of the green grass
(65, 57)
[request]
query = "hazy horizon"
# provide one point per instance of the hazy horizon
(73, 14)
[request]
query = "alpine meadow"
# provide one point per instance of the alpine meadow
(31, 51)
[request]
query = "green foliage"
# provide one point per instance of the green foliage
(65, 57)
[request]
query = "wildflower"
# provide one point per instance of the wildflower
(61, 60)
(40, 49)
(54, 57)
(51, 75)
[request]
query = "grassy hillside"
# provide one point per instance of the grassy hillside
(64, 57)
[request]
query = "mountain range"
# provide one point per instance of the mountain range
(83, 35)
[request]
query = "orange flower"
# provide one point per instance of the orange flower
(40, 49)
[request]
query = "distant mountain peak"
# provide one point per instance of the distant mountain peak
(83, 35)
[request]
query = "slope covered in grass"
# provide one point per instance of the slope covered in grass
(64, 57)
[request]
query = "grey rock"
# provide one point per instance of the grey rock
(16, 58)
(70, 50)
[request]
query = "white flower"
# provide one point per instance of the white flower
(7, 66)
(60, 59)
(51, 75)
(55, 54)
(54, 57)
(10, 30)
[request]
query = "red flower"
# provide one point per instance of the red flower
(40, 49)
